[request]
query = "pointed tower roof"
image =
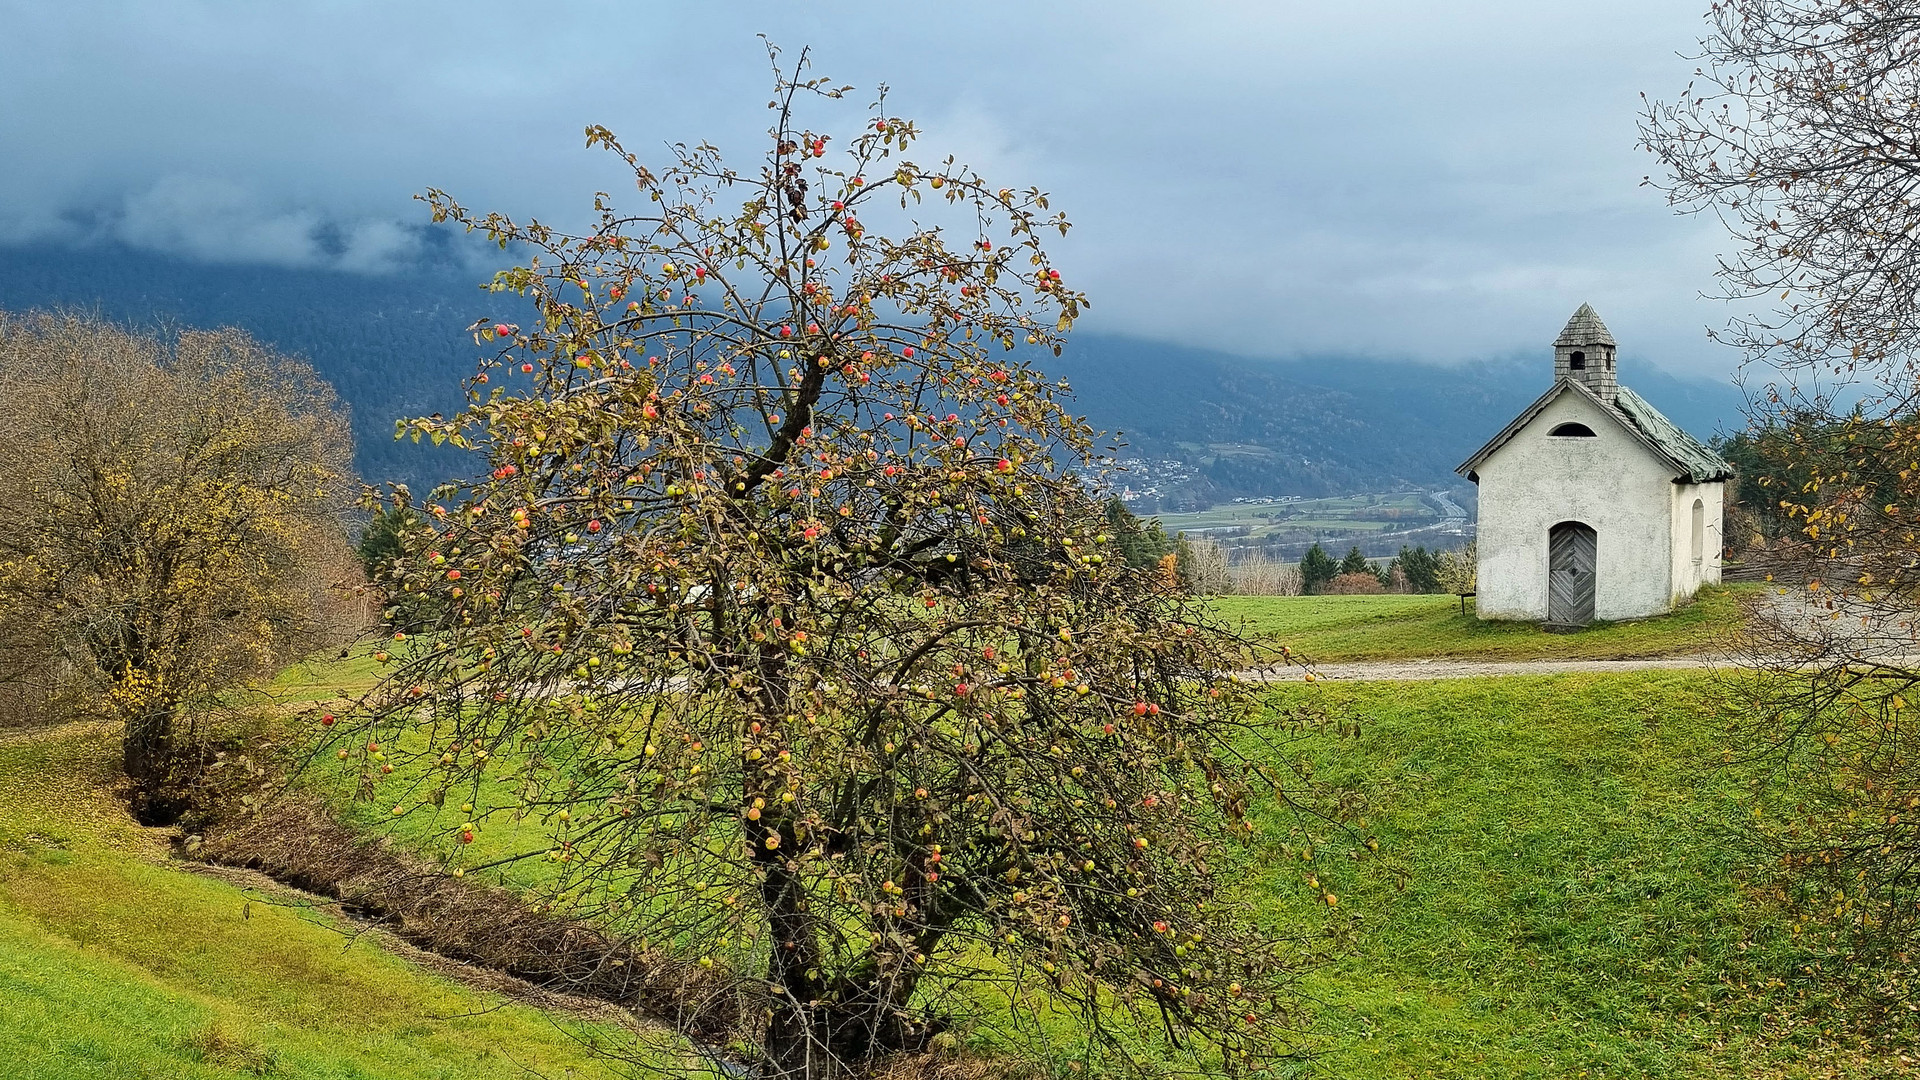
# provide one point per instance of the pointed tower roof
(1585, 328)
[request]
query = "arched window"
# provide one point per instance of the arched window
(1699, 531)
(1578, 361)
(1571, 430)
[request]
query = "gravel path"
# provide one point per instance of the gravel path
(1412, 670)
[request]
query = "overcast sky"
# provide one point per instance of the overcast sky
(1383, 178)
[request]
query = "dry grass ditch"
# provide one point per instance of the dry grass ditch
(300, 844)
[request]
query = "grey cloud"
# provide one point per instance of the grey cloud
(1392, 178)
(216, 218)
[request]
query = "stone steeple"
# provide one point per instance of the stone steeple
(1584, 352)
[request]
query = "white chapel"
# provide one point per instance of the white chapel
(1592, 504)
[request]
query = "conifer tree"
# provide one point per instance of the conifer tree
(1316, 569)
(1355, 563)
(1421, 568)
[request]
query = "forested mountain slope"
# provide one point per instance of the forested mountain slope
(395, 346)
(1327, 426)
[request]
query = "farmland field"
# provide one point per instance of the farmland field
(1357, 513)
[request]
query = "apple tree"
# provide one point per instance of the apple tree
(783, 602)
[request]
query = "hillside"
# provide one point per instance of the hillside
(117, 962)
(1555, 893)
(1324, 426)
(395, 346)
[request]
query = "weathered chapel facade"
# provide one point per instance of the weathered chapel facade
(1592, 504)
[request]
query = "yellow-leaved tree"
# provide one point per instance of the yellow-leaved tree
(175, 525)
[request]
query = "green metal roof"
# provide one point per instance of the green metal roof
(1694, 463)
(1686, 451)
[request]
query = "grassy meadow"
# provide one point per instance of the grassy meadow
(115, 963)
(1557, 891)
(1392, 627)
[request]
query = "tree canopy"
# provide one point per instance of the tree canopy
(1355, 563)
(1316, 569)
(176, 525)
(1421, 567)
(1791, 131)
(784, 604)
(1797, 132)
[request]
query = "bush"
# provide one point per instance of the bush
(1354, 585)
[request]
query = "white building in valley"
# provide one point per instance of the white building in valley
(1592, 504)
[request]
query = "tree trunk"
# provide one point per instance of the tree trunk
(153, 759)
(798, 1037)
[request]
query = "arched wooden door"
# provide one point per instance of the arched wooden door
(1572, 554)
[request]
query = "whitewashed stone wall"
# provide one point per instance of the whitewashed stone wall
(1690, 573)
(1614, 484)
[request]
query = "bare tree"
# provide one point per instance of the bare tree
(1458, 572)
(1203, 562)
(1260, 574)
(174, 524)
(1799, 132)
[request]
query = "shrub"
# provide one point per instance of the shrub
(1354, 585)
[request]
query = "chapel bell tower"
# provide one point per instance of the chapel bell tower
(1584, 352)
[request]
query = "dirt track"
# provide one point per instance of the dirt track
(1412, 670)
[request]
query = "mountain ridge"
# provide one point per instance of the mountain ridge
(396, 345)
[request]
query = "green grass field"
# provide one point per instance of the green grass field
(1556, 893)
(1332, 628)
(115, 964)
